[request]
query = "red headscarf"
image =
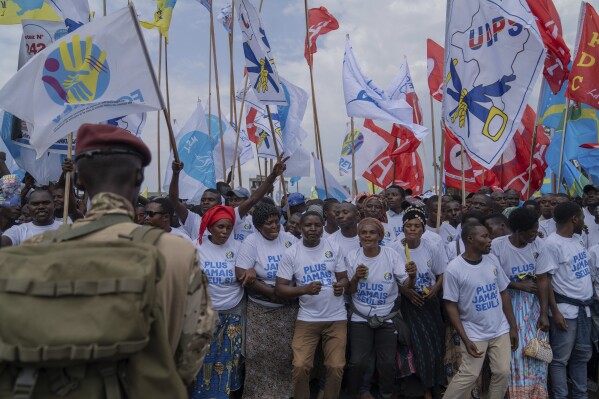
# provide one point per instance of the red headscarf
(213, 215)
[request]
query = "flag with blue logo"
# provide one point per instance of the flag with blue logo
(364, 99)
(260, 65)
(334, 188)
(196, 151)
(14, 11)
(367, 146)
(493, 56)
(225, 17)
(96, 73)
(162, 17)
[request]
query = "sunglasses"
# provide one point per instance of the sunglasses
(152, 214)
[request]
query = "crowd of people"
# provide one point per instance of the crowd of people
(365, 298)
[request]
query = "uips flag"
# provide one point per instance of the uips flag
(493, 56)
(364, 99)
(367, 147)
(320, 22)
(434, 69)
(96, 73)
(260, 65)
(583, 78)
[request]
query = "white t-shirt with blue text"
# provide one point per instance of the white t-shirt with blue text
(346, 244)
(431, 261)
(377, 293)
(476, 290)
(567, 260)
(395, 222)
(517, 262)
(305, 265)
(264, 256)
(218, 263)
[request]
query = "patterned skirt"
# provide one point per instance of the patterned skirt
(529, 375)
(221, 373)
(268, 351)
(428, 341)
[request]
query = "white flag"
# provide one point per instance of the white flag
(229, 137)
(334, 188)
(196, 152)
(402, 88)
(259, 129)
(74, 10)
(260, 65)
(368, 146)
(493, 56)
(98, 72)
(364, 99)
(298, 164)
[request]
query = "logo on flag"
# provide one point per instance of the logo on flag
(494, 53)
(76, 72)
(358, 139)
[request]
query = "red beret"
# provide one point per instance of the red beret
(99, 138)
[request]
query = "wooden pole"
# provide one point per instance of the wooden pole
(314, 110)
(463, 175)
(435, 165)
(171, 135)
(168, 97)
(501, 173)
(282, 177)
(104, 7)
(354, 188)
(561, 151)
(439, 199)
(238, 121)
(67, 184)
(158, 115)
(220, 125)
(532, 154)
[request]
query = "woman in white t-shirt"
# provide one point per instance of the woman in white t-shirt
(517, 254)
(270, 319)
(374, 273)
(221, 372)
(421, 308)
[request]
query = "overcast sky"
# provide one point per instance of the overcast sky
(381, 31)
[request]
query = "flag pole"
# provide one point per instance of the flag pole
(532, 154)
(220, 125)
(314, 110)
(238, 126)
(354, 185)
(158, 115)
(67, 184)
(561, 151)
(168, 96)
(439, 199)
(435, 165)
(463, 175)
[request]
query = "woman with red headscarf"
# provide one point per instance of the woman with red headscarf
(375, 206)
(221, 373)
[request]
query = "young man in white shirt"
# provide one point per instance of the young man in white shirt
(480, 309)
(395, 195)
(41, 206)
(565, 287)
(346, 237)
(321, 278)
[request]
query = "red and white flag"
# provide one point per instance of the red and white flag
(515, 161)
(320, 22)
(558, 53)
(434, 68)
(408, 167)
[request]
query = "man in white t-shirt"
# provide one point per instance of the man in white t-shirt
(41, 207)
(395, 196)
(346, 237)
(158, 212)
(191, 221)
(450, 229)
(565, 288)
(243, 224)
(480, 309)
(320, 276)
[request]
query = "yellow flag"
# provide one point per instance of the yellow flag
(162, 17)
(144, 193)
(13, 11)
(313, 193)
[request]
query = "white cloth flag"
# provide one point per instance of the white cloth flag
(261, 124)
(364, 99)
(334, 188)
(493, 55)
(402, 88)
(196, 152)
(75, 10)
(244, 148)
(298, 164)
(96, 73)
(260, 65)
(368, 146)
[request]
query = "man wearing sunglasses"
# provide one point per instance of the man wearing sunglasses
(159, 213)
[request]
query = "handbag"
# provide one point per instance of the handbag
(539, 349)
